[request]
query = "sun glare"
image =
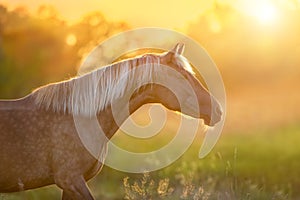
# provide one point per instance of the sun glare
(266, 13)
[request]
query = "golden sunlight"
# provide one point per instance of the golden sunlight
(71, 40)
(265, 12)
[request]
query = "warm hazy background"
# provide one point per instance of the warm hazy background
(256, 45)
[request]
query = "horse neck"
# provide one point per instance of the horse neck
(124, 103)
(112, 117)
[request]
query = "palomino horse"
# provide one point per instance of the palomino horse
(39, 142)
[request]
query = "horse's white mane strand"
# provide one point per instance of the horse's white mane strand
(89, 94)
(182, 61)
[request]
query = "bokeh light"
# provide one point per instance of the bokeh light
(71, 40)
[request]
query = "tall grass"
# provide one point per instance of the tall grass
(262, 165)
(186, 184)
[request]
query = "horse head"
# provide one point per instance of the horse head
(196, 101)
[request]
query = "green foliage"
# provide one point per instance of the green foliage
(261, 165)
(240, 167)
(34, 51)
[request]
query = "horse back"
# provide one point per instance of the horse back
(24, 141)
(38, 147)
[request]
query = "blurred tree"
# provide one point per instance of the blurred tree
(42, 48)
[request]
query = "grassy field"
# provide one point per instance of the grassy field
(262, 164)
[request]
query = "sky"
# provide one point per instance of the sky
(174, 14)
(167, 13)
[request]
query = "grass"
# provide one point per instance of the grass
(257, 165)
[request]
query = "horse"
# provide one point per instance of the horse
(39, 141)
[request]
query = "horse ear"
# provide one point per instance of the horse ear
(178, 49)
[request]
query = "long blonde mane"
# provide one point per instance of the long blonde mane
(91, 93)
